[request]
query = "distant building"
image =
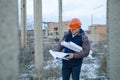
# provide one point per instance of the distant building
(97, 32)
(53, 29)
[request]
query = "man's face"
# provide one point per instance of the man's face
(75, 31)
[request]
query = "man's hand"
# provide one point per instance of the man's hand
(70, 56)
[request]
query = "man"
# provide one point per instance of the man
(73, 65)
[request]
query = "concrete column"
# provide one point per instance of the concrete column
(9, 44)
(38, 34)
(113, 24)
(23, 24)
(46, 30)
(60, 19)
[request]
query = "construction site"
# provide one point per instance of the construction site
(24, 53)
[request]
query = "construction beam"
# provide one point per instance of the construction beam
(60, 28)
(9, 40)
(23, 25)
(38, 34)
(113, 25)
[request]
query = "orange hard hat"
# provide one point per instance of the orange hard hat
(74, 24)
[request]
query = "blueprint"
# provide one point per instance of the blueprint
(61, 55)
(58, 55)
(71, 46)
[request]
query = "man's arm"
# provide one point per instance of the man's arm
(85, 46)
(59, 47)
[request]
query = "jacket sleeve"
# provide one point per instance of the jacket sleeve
(59, 47)
(85, 47)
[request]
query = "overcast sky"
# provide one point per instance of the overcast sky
(82, 9)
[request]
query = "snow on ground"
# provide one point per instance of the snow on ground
(89, 70)
(53, 63)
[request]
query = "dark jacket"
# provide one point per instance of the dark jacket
(80, 39)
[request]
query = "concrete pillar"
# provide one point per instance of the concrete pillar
(9, 41)
(113, 24)
(46, 32)
(60, 28)
(38, 34)
(23, 24)
(46, 29)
